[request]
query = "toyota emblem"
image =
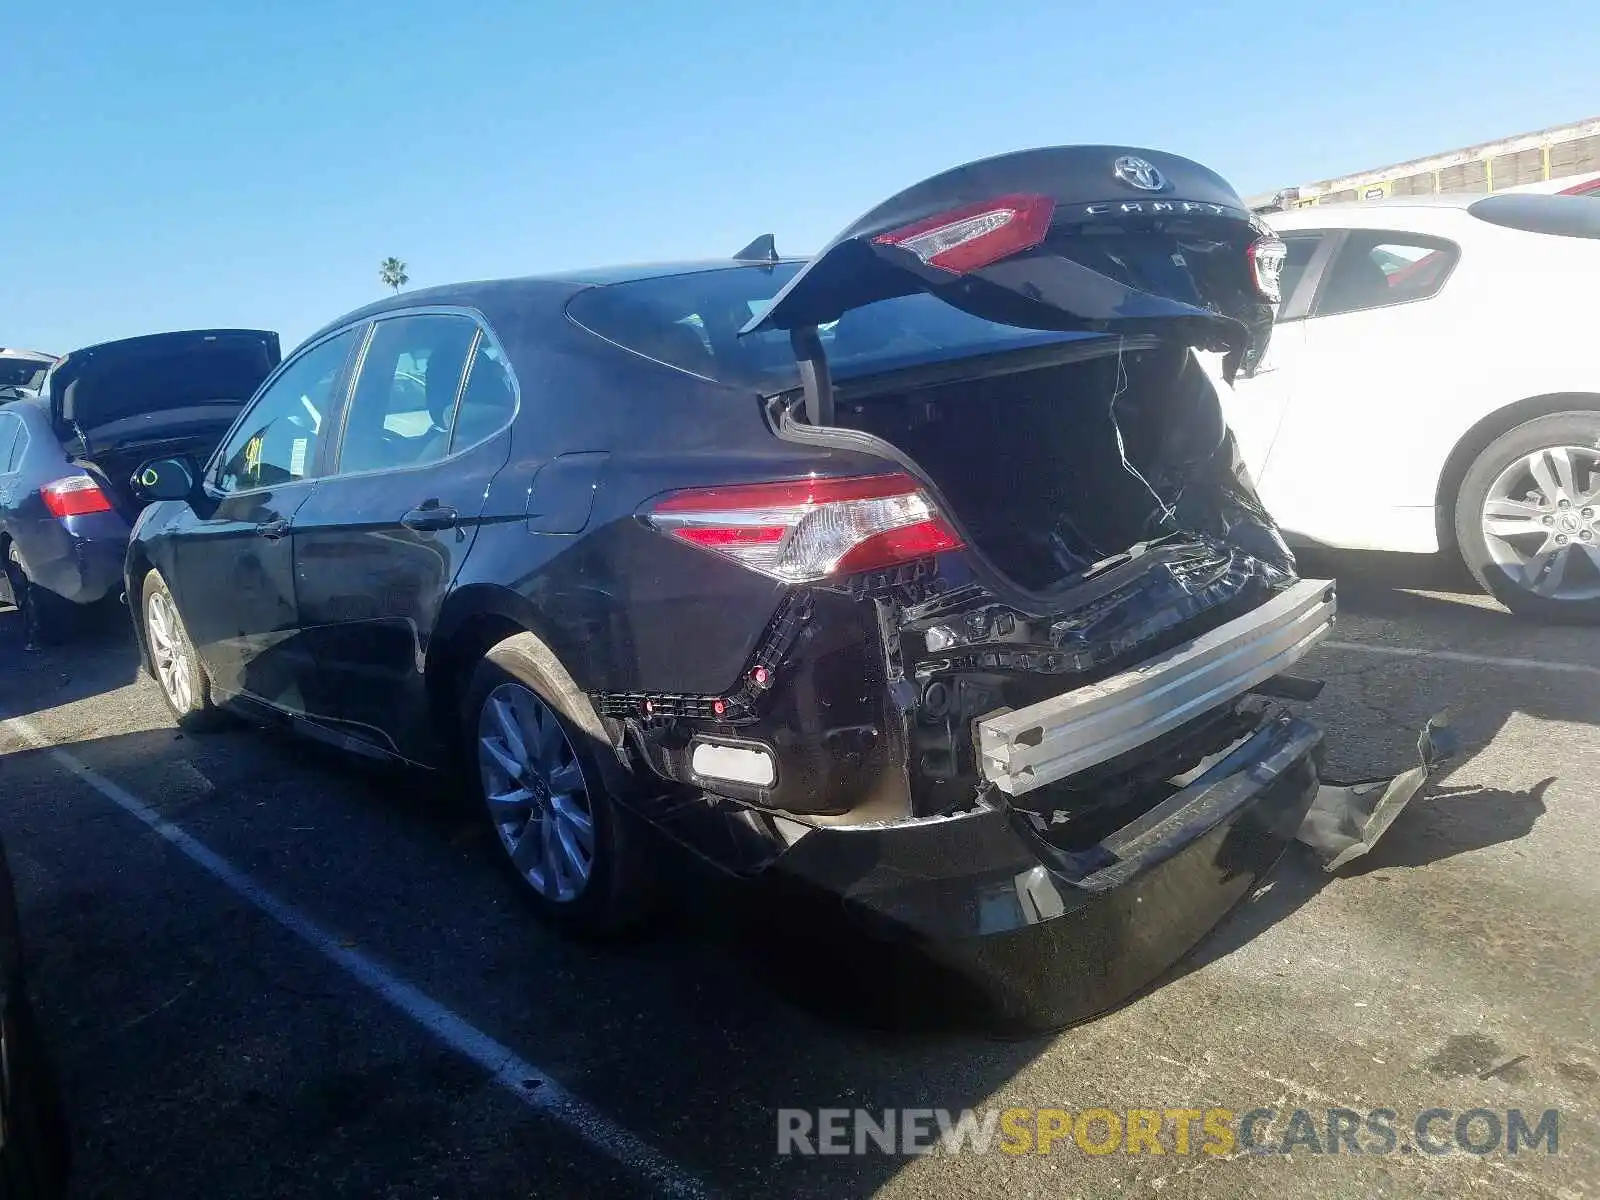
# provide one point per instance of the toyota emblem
(1135, 172)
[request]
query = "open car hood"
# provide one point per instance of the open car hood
(111, 382)
(1109, 239)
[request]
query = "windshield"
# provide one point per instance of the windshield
(692, 321)
(22, 372)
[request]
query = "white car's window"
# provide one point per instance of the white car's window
(404, 405)
(1375, 269)
(277, 441)
(1302, 248)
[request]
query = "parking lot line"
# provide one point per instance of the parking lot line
(1458, 656)
(527, 1082)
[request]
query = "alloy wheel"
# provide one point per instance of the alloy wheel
(168, 652)
(1541, 522)
(537, 797)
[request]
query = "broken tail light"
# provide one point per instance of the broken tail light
(975, 235)
(75, 496)
(806, 530)
(1267, 255)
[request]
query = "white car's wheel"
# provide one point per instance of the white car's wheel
(1528, 518)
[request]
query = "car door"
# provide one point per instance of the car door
(1337, 469)
(1260, 397)
(380, 541)
(232, 555)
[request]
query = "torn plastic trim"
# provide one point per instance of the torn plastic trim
(1030, 747)
(1346, 820)
(1156, 593)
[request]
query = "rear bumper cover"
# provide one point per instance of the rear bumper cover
(1049, 938)
(79, 560)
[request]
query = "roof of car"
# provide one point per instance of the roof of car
(1569, 216)
(1334, 214)
(560, 285)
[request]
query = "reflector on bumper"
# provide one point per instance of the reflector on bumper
(1026, 748)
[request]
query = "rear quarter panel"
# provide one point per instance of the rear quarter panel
(624, 607)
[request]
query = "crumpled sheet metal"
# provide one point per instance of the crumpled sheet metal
(1346, 820)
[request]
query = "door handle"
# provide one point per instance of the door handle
(273, 530)
(430, 519)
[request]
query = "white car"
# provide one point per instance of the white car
(1433, 384)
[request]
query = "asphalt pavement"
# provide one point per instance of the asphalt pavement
(270, 971)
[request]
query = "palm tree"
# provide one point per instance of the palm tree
(393, 273)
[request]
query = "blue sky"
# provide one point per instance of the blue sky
(182, 163)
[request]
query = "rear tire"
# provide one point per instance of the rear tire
(1539, 556)
(542, 767)
(47, 619)
(179, 673)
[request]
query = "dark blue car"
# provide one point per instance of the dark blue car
(66, 456)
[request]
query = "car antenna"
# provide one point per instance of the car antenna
(763, 249)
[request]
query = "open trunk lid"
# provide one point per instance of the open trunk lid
(118, 404)
(1107, 515)
(109, 384)
(1105, 239)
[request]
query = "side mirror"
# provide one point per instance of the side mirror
(164, 479)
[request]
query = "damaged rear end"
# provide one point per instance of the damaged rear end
(1024, 696)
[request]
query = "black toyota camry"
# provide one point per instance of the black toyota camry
(923, 570)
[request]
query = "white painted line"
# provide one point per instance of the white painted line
(1483, 660)
(522, 1079)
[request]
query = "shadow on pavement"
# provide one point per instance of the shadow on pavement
(1424, 586)
(200, 1043)
(1439, 824)
(99, 656)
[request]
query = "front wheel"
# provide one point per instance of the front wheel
(1528, 518)
(535, 750)
(183, 680)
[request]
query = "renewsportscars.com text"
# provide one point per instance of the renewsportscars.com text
(1152, 1131)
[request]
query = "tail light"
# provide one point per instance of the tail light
(975, 235)
(75, 496)
(810, 529)
(1267, 255)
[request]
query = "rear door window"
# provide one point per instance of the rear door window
(10, 431)
(18, 447)
(403, 409)
(489, 399)
(1375, 269)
